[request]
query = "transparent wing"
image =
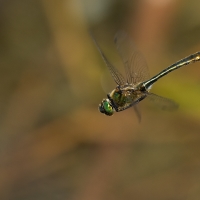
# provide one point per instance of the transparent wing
(137, 112)
(135, 65)
(117, 76)
(162, 102)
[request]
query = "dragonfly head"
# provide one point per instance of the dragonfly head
(106, 107)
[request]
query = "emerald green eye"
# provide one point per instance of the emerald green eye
(106, 107)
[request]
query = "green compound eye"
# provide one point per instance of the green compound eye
(106, 107)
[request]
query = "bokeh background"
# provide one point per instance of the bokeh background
(54, 144)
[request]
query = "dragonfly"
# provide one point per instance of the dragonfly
(136, 85)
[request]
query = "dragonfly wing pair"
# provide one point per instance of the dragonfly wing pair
(134, 63)
(163, 102)
(137, 71)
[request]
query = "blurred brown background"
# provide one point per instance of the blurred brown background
(54, 144)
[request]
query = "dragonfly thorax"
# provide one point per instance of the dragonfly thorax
(119, 96)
